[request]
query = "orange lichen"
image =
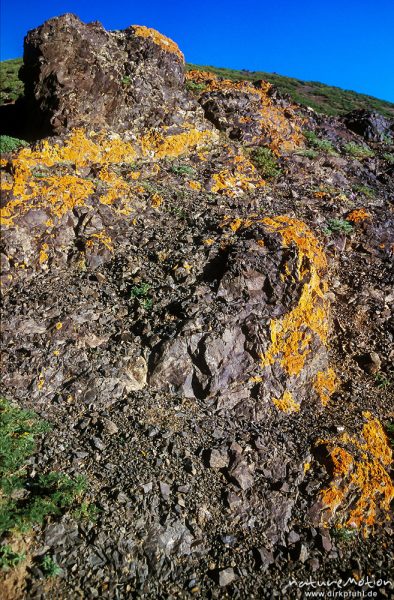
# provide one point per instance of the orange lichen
(280, 126)
(287, 403)
(159, 39)
(59, 194)
(325, 385)
(361, 475)
(102, 238)
(43, 257)
(156, 200)
(194, 185)
(291, 335)
(239, 176)
(358, 215)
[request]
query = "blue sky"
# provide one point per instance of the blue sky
(348, 43)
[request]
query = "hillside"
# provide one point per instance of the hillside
(322, 98)
(197, 355)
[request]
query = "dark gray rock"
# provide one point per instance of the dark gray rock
(78, 74)
(372, 126)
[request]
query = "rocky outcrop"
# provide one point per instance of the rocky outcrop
(372, 126)
(247, 112)
(261, 324)
(167, 306)
(79, 74)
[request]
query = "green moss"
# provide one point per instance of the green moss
(9, 558)
(265, 161)
(9, 144)
(11, 87)
(26, 501)
(338, 226)
(357, 151)
(319, 144)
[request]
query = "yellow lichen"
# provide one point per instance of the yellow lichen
(291, 335)
(279, 125)
(239, 176)
(159, 39)
(358, 215)
(286, 403)
(325, 385)
(61, 193)
(360, 474)
(194, 185)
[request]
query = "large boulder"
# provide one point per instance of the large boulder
(78, 74)
(372, 126)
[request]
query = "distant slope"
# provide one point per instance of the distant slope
(323, 98)
(11, 86)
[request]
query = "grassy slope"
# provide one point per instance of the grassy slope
(323, 98)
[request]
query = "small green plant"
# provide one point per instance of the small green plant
(315, 142)
(357, 151)
(26, 501)
(49, 567)
(141, 292)
(382, 380)
(195, 87)
(9, 558)
(389, 157)
(126, 80)
(365, 190)
(9, 144)
(183, 170)
(338, 226)
(308, 152)
(86, 511)
(343, 533)
(265, 161)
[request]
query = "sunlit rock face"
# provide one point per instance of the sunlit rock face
(79, 74)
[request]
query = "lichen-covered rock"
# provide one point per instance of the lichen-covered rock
(262, 321)
(247, 111)
(360, 489)
(372, 126)
(79, 74)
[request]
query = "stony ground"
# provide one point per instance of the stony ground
(143, 281)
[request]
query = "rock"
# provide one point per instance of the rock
(236, 343)
(233, 500)
(97, 443)
(135, 374)
(242, 476)
(324, 542)
(248, 112)
(372, 126)
(293, 537)
(165, 489)
(78, 74)
(264, 558)
(109, 427)
(218, 458)
(301, 552)
(225, 576)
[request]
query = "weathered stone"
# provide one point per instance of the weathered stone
(254, 296)
(78, 74)
(225, 576)
(372, 126)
